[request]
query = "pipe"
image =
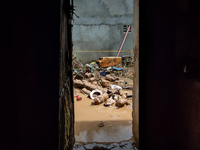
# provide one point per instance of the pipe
(123, 41)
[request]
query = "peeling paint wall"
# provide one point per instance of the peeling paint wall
(99, 29)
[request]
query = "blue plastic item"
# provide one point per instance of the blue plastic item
(103, 73)
(118, 68)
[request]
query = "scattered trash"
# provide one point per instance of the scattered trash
(119, 82)
(78, 83)
(88, 66)
(85, 91)
(127, 60)
(128, 87)
(119, 69)
(105, 83)
(93, 63)
(89, 86)
(79, 98)
(122, 94)
(115, 87)
(109, 68)
(130, 95)
(109, 102)
(100, 99)
(116, 78)
(115, 91)
(88, 75)
(79, 77)
(108, 72)
(121, 102)
(110, 78)
(103, 73)
(76, 92)
(115, 97)
(95, 91)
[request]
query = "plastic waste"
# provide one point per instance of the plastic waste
(109, 68)
(103, 73)
(88, 66)
(93, 63)
(95, 91)
(88, 75)
(115, 87)
(79, 98)
(117, 68)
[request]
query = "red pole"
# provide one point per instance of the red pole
(123, 41)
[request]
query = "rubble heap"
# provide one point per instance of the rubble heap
(105, 84)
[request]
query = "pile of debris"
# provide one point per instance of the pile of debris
(101, 84)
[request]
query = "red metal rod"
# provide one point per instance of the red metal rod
(123, 41)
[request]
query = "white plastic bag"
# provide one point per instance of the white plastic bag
(115, 87)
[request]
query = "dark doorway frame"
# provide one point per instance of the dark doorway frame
(66, 104)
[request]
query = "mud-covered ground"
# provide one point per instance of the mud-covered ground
(104, 127)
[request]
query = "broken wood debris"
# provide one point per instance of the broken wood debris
(87, 78)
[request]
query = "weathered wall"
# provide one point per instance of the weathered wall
(99, 30)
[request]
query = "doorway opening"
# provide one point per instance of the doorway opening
(100, 94)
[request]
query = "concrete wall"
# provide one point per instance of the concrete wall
(99, 29)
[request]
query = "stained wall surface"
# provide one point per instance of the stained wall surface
(98, 31)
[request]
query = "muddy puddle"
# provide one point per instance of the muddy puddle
(100, 127)
(85, 111)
